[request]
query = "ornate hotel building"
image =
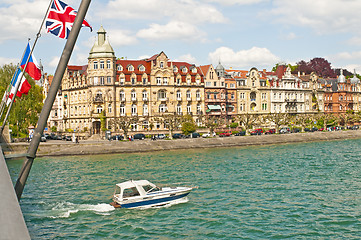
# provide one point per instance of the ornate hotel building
(110, 88)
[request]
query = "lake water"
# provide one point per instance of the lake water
(295, 191)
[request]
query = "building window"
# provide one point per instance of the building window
(232, 96)
(179, 95)
(99, 109)
(264, 106)
(141, 68)
(145, 80)
(120, 68)
(208, 84)
(133, 95)
(162, 108)
(121, 95)
(165, 81)
(162, 95)
(101, 66)
(189, 97)
(108, 64)
(101, 80)
(159, 81)
(188, 80)
(161, 64)
(134, 109)
(179, 108)
(145, 109)
(109, 108)
(241, 107)
(178, 81)
(185, 70)
(133, 80)
(95, 65)
(198, 95)
(109, 80)
(199, 108)
(130, 68)
(189, 109)
(145, 95)
(122, 110)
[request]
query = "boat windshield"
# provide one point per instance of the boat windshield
(130, 192)
(149, 188)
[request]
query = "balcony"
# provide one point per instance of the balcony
(189, 98)
(253, 99)
(134, 99)
(162, 99)
(98, 99)
(145, 99)
(179, 98)
(122, 99)
(198, 98)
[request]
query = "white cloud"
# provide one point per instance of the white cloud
(322, 16)
(21, 19)
(53, 62)
(289, 36)
(119, 37)
(346, 56)
(8, 61)
(186, 58)
(191, 11)
(172, 30)
(258, 57)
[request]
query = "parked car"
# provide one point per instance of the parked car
(285, 130)
(270, 131)
(68, 138)
(178, 135)
(208, 134)
(240, 133)
(139, 136)
(258, 131)
(47, 135)
(161, 136)
(117, 137)
(314, 129)
(321, 129)
(296, 130)
(195, 135)
(307, 130)
(225, 134)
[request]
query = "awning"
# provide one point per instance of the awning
(214, 107)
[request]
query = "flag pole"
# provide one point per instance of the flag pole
(38, 35)
(54, 87)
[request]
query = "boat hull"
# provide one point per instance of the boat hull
(157, 201)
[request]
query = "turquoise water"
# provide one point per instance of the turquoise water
(295, 191)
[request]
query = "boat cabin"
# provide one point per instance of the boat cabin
(134, 188)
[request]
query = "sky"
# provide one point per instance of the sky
(238, 33)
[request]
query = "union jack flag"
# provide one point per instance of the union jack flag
(60, 19)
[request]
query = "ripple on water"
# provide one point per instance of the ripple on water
(295, 191)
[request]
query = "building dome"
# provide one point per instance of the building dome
(341, 78)
(101, 47)
(354, 79)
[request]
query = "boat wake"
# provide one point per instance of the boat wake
(65, 209)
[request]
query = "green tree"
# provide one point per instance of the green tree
(124, 122)
(247, 120)
(212, 122)
(188, 125)
(25, 110)
(172, 121)
(278, 119)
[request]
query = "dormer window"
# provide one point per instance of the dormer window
(194, 70)
(120, 68)
(161, 64)
(130, 68)
(184, 70)
(141, 68)
(175, 69)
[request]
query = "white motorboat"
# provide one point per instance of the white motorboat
(142, 193)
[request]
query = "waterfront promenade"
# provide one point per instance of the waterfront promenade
(89, 147)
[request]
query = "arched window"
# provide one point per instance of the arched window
(179, 95)
(145, 109)
(99, 109)
(145, 95)
(179, 108)
(162, 108)
(189, 109)
(120, 67)
(122, 110)
(189, 96)
(133, 95)
(122, 95)
(130, 68)
(141, 68)
(134, 109)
